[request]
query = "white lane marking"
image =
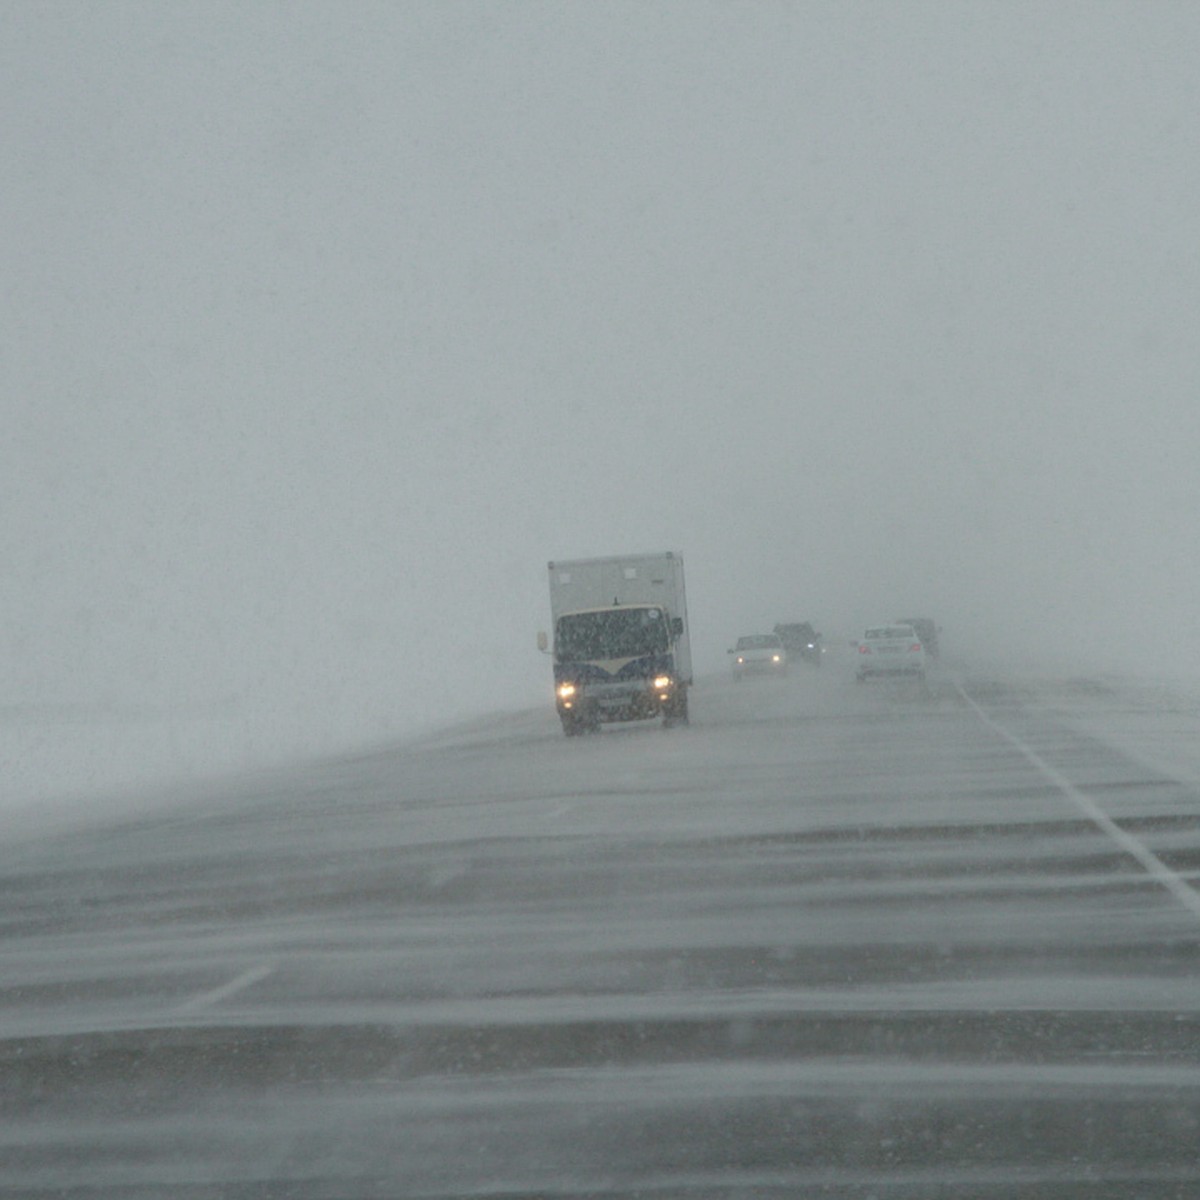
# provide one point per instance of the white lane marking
(216, 995)
(1159, 871)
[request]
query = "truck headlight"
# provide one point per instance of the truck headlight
(662, 681)
(566, 691)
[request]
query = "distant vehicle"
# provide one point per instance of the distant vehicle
(759, 654)
(622, 650)
(927, 630)
(801, 640)
(890, 650)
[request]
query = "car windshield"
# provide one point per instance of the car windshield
(611, 633)
(889, 632)
(759, 641)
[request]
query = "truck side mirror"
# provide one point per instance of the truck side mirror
(543, 641)
(677, 626)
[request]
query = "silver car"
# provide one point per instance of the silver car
(759, 654)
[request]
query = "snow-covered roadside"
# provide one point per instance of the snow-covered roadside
(63, 767)
(66, 765)
(1156, 722)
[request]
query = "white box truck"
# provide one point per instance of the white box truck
(621, 643)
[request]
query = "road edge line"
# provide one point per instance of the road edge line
(1158, 870)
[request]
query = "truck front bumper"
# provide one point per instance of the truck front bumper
(625, 700)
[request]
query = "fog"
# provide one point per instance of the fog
(326, 326)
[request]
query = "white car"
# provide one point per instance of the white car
(890, 650)
(759, 654)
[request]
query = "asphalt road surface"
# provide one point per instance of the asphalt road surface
(830, 941)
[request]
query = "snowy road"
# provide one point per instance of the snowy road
(830, 941)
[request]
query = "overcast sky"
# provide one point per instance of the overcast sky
(326, 325)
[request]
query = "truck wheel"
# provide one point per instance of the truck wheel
(571, 724)
(676, 713)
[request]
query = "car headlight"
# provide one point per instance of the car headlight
(566, 691)
(775, 658)
(662, 681)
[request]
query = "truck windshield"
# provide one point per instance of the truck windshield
(615, 633)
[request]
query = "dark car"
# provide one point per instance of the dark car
(801, 640)
(926, 629)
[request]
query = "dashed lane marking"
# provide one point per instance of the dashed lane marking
(239, 983)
